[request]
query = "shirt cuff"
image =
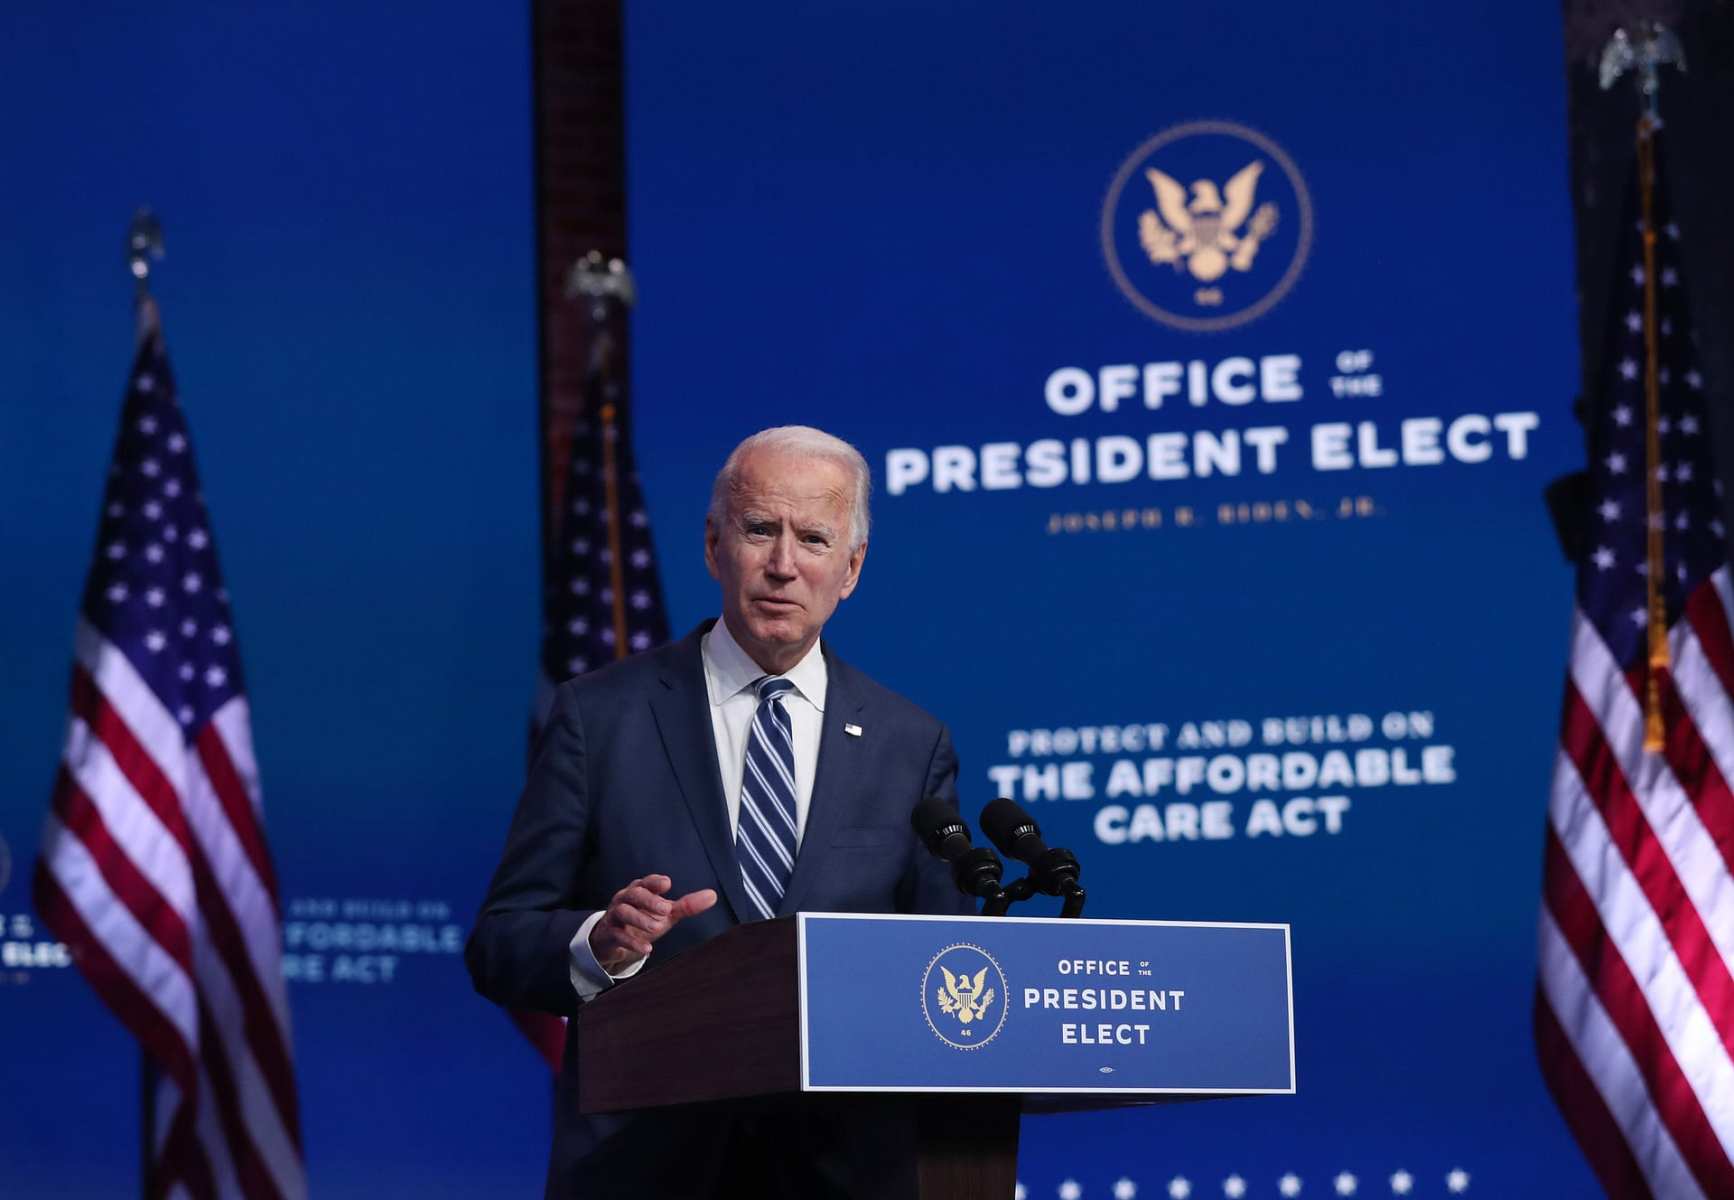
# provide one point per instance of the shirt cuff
(589, 977)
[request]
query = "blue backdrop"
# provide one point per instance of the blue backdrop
(923, 228)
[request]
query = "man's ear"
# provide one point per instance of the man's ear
(857, 556)
(711, 533)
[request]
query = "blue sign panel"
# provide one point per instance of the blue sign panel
(1044, 1005)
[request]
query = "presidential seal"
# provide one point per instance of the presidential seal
(963, 996)
(1206, 226)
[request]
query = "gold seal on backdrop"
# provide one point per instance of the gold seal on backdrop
(1206, 226)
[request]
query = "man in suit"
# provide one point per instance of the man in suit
(741, 773)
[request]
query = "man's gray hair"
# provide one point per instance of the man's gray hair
(805, 442)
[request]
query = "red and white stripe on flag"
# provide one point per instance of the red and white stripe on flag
(153, 867)
(1635, 1008)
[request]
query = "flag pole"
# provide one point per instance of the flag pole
(1646, 51)
(144, 246)
(609, 286)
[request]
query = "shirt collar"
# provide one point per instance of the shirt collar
(728, 669)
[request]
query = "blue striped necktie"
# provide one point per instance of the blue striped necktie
(765, 831)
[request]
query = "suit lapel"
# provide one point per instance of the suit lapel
(837, 780)
(682, 711)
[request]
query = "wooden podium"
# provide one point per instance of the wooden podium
(722, 1022)
(725, 1021)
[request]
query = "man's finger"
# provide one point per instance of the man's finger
(625, 916)
(656, 883)
(693, 903)
(644, 898)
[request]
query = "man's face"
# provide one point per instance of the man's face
(781, 553)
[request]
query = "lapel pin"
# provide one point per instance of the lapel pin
(852, 730)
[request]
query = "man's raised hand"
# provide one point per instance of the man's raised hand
(637, 916)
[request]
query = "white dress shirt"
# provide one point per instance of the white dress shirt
(730, 676)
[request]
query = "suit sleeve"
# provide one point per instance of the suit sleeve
(926, 886)
(519, 953)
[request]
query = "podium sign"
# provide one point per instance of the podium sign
(938, 1004)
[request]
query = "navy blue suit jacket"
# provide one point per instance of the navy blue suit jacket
(625, 783)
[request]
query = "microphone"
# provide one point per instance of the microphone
(975, 869)
(1052, 870)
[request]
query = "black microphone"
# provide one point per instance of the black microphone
(975, 869)
(1052, 870)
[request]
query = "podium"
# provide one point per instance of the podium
(972, 1021)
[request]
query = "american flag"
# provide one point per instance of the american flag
(153, 868)
(602, 596)
(1634, 1014)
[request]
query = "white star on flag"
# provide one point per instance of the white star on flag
(1623, 415)
(220, 635)
(116, 592)
(1604, 557)
(152, 510)
(1694, 380)
(117, 549)
(1609, 509)
(215, 677)
(578, 626)
(1345, 1183)
(154, 553)
(1628, 368)
(189, 627)
(197, 539)
(640, 641)
(177, 443)
(155, 597)
(1234, 1187)
(171, 488)
(1634, 321)
(147, 425)
(145, 382)
(1670, 277)
(186, 672)
(1663, 425)
(1402, 1183)
(151, 467)
(1125, 1189)
(1069, 1190)
(1616, 463)
(155, 641)
(1457, 1180)
(1688, 425)
(191, 581)
(1683, 472)
(1018, 1193)
(1289, 1185)
(1638, 275)
(1640, 617)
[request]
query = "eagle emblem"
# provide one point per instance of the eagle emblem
(1204, 234)
(964, 996)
